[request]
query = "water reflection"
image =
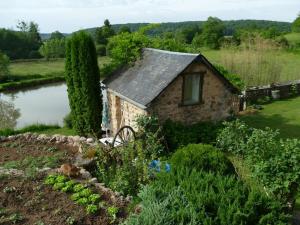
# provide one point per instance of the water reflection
(8, 115)
(47, 104)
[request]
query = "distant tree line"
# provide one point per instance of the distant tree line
(55, 47)
(21, 44)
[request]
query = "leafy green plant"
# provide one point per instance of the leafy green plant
(112, 213)
(82, 201)
(16, 218)
(85, 193)
(61, 179)
(123, 169)
(78, 187)
(70, 220)
(91, 209)
(94, 198)
(50, 180)
(58, 186)
(75, 196)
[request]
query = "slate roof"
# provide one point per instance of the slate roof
(150, 75)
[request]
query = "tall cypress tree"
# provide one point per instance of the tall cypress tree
(83, 81)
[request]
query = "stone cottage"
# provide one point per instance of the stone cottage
(178, 86)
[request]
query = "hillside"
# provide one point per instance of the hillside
(230, 26)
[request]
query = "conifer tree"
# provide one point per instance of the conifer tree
(83, 81)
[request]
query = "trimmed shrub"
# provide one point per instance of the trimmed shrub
(178, 135)
(202, 157)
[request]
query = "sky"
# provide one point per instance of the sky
(71, 15)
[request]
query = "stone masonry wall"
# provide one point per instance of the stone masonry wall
(217, 104)
(122, 112)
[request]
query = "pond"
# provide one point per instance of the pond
(48, 104)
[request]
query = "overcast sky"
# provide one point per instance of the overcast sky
(71, 15)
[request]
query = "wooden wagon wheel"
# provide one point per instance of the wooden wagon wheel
(124, 135)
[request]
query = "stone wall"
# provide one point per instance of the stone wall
(218, 101)
(285, 90)
(122, 112)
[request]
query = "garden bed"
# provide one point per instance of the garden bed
(32, 202)
(21, 149)
(25, 198)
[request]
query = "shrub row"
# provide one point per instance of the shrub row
(30, 82)
(274, 162)
(201, 194)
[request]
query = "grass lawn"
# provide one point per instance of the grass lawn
(62, 131)
(283, 115)
(44, 67)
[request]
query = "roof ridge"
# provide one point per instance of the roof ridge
(171, 52)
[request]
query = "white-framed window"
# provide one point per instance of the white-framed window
(192, 88)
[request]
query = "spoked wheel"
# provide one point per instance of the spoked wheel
(124, 135)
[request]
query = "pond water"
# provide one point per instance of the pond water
(48, 104)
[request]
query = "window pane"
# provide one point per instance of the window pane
(191, 89)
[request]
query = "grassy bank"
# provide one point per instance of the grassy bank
(13, 85)
(40, 129)
(30, 73)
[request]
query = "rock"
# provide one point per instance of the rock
(80, 149)
(41, 137)
(85, 174)
(128, 198)
(82, 139)
(89, 140)
(27, 135)
(2, 138)
(11, 172)
(76, 138)
(93, 180)
(34, 137)
(83, 162)
(11, 138)
(53, 139)
(46, 169)
(64, 139)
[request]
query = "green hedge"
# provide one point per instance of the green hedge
(30, 82)
(178, 135)
(202, 157)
